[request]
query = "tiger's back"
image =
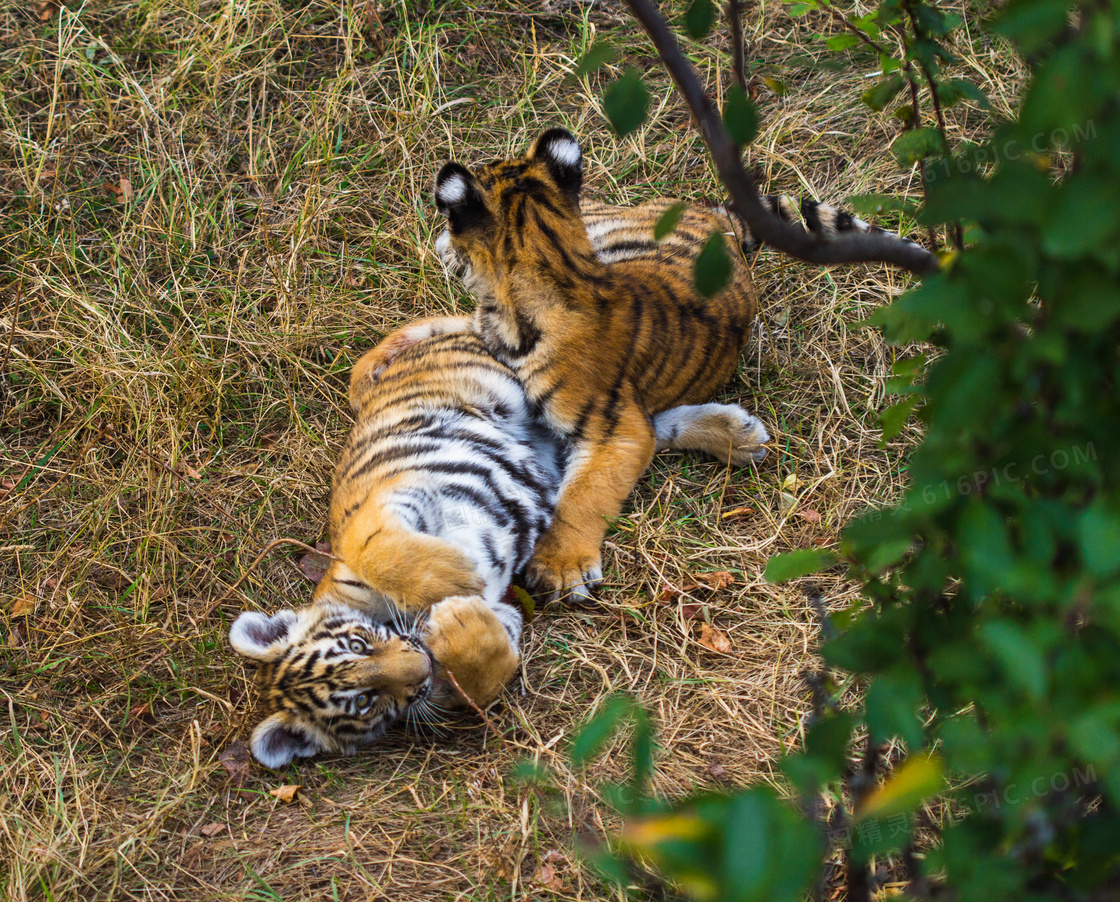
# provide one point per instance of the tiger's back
(602, 345)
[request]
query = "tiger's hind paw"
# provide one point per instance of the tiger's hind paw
(725, 431)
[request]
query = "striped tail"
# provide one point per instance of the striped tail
(818, 218)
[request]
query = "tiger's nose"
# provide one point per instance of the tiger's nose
(402, 664)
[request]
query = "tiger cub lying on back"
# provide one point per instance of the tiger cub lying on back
(602, 343)
(445, 484)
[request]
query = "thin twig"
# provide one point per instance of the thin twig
(735, 21)
(790, 239)
(955, 232)
(11, 338)
(253, 566)
(916, 106)
(470, 701)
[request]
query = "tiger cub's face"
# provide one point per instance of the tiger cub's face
(333, 678)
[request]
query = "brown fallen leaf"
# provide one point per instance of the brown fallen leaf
(189, 470)
(737, 512)
(810, 515)
(213, 829)
(692, 611)
(142, 711)
(718, 771)
(720, 579)
(124, 191)
(109, 577)
(286, 793)
(46, 9)
(313, 566)
(714, 639)
(23, 606)
(548, 874)
(235, 759)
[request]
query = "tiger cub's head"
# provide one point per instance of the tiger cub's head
(497, 211)
(332, 678)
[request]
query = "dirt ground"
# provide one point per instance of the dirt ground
(208, 211)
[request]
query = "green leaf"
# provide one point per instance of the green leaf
(883, 93)
(525, 600)
(1086, 217)
(1018, 655)
(827, 742)
(598, 55)
(799, 9)
(954, 90)
(626, 101)
(667, 221)
(916, 144)
(776, 85)
(748, 834)
(1088, 298)
(740, 116)
(713, 266)
(698, 18)
(912, 782)
(893, 419)
(1030, 23)
(841, 41)
(891, 707)
(1100, 539)
(878, 204)
(599, 729)
(792, 564)
(642, 752)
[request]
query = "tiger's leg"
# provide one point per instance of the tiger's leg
(600, 475)
(724, 431)
(467, 638)
(374, 361)
(416, 571)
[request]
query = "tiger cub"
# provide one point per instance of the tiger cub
(444, 485)
(446, 482)
(601, 345)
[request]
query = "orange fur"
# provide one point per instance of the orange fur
(601, 346)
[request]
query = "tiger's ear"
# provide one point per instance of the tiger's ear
(280, 738)
(558, 149)
(459, 198)
(261, 637)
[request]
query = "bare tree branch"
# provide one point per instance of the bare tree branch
(786, 237)
(735, 21)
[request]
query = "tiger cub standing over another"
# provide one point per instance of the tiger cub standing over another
(602, 345)
(447, 480)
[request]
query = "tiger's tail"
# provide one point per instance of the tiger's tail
(816, 217)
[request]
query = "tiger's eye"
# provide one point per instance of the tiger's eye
(362, 701)
(357, 646)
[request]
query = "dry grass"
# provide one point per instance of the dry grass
(172, 375)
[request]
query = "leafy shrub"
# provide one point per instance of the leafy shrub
(989, 636)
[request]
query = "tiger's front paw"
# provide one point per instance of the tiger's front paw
(565, 574)
(466, 638)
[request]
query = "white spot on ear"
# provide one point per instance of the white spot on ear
(452, 190)
(565, 150)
